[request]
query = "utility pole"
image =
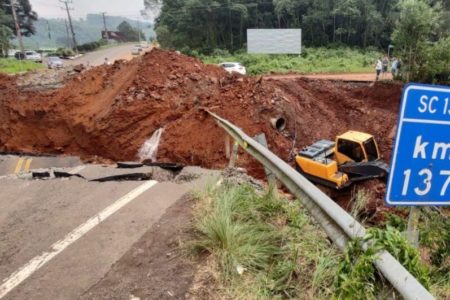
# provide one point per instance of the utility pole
(16, 22)
(104, 21)
(139, 30)
(49, 31)
(67, 35)
(106, 37)
(66, 3)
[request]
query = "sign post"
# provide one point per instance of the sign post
(420, 168)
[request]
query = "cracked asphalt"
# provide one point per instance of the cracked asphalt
(60, 235)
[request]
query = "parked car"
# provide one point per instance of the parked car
(136, 50)
(234, 67)
(54, 62)
(29, 55)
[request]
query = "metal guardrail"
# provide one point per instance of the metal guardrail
(337, 223)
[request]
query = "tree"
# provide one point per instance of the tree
(130, 33)
(5, 36)
(204, 25)
(25, 15)
(414, 30)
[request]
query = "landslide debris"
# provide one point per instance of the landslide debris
(107, 113)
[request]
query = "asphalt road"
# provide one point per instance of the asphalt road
(13, 164)
(97, 58)
(59, 236)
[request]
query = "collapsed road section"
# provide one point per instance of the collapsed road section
(107, 113)
(61, 234)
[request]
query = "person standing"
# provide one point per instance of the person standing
(385, 63)
(394, 68)
(378, 68)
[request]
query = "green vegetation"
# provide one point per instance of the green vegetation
(87, 47)
(205, 25)
(263, 246)
(357, 277)
(434, 242)
(130, 33)
(13, 66)
(360, 199)
(266, 247)
(422, 42)
(312, 60)
(26, 18)
(417, 29)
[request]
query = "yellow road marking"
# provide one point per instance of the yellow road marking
(27, 165)
(19, 165)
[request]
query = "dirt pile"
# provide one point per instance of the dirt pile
(108, 112)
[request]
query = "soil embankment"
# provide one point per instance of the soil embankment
(106, 113)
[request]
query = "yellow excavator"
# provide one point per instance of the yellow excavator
(354, 156)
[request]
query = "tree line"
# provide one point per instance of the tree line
(208, 24)
(418, 29)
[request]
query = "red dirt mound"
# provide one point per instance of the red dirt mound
(108, 112)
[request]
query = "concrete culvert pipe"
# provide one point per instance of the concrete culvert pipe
(279, 123)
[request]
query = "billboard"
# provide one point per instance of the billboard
(274, 41)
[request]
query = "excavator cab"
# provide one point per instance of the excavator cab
(354, 146)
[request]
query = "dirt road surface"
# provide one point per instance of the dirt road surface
(97, 58)
(60, 236)
(356, 77)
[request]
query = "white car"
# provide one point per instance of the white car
(33, 56)
(136, 50)
(231, 67)
(29, 55)
(54, 62)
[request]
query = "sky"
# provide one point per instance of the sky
(52, 8)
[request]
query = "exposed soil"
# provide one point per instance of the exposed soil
(106, 114)
(155, 267)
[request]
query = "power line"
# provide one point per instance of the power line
(66, 3)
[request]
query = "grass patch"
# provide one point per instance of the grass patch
(264, 247)
(359, 201)
(357, 277)
(13, 66)
(312, 60)
(434, 245)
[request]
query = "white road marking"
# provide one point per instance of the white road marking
(77, 169)
(412, 120)
(37, 262)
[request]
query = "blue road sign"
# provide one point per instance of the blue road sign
(420, 168)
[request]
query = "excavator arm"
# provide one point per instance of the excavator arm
(357, 171)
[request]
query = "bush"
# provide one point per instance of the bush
(63, 52)
(312, 60)
(87, 47)
(436, 66)
(357, 277)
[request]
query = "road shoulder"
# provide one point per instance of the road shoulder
(154, 267)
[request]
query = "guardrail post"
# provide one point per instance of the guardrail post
(412, 232)
(234, 155)
(261, 138)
